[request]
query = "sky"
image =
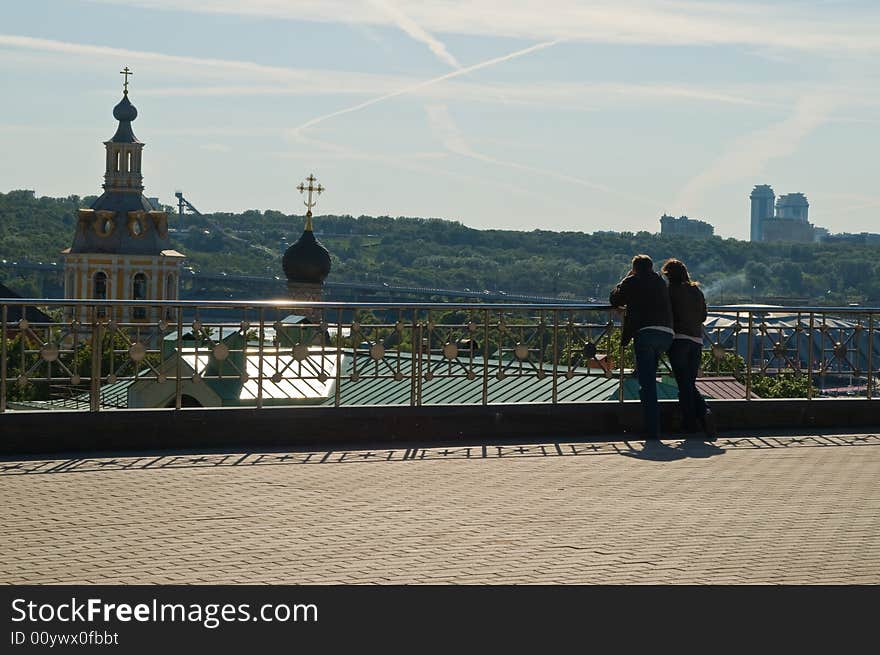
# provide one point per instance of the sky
(560, 114)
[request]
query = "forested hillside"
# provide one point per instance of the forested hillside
(441, 253)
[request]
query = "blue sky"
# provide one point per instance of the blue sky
(562, 114)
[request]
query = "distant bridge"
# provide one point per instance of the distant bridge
(380, 288)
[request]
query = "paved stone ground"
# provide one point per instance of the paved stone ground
(753, 509)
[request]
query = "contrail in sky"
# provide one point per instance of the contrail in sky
(416, 31)
(427, 83)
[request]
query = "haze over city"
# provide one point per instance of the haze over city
(567, 116)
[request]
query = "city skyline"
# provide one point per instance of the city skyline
(582, 118)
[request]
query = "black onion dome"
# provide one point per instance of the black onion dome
(125, 111)
(307, 260)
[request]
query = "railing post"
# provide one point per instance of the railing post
(811, 362)
(95, 373)
(749, 359)
(417, 401)
(485, 390)
(555, 355)
(178, 387)
(337, 392)
(260, 366)
(869, 390)
(3, 356)
(620, 365)
(413, 357)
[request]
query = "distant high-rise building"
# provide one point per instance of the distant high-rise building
(786, 219)
(685, 226)
(762, 198)
(793, 206)
(788, 229)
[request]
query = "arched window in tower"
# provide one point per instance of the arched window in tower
(128, 161)
(118, 161)
(99, 291)
(100, 286)
(139, 292)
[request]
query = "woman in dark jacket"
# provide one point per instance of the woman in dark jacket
(688, 315)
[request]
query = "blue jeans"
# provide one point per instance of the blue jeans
(648, 345)
(684, 356)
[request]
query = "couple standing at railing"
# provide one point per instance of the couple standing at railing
(663, 319)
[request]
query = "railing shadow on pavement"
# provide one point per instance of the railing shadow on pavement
(666, 451)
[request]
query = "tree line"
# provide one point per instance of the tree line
(434, 252)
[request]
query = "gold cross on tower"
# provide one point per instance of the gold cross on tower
(125, 71)
(309, 203)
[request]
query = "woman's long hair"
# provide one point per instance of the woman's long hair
(677, 273)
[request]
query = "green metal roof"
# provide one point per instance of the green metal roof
(513, 388)
(359, 386)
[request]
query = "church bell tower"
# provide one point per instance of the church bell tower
(121, 249)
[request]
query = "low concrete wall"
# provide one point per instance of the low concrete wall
(119, 430)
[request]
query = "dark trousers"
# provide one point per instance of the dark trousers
(684, 356)
(648, 346)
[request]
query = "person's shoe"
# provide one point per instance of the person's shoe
(709, 427)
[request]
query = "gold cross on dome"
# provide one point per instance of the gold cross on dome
(309, 203)
(125, 71)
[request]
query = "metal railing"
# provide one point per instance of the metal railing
(96, 355)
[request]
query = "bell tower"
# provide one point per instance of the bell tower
(121, 249)
(123, 170)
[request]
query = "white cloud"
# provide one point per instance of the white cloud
(311, 81)
(579, 96)
(659, 22)
(748, 156)
(196, 77)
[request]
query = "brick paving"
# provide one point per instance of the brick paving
(750, 509)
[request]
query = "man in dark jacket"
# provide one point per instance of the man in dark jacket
(648, 323)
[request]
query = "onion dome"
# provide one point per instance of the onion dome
(307, 260)
(124, 112)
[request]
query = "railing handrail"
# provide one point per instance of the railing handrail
(233, 304)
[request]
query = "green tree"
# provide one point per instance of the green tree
(788, 384)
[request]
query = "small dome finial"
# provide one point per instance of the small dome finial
(126, 72)
(309, 203)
